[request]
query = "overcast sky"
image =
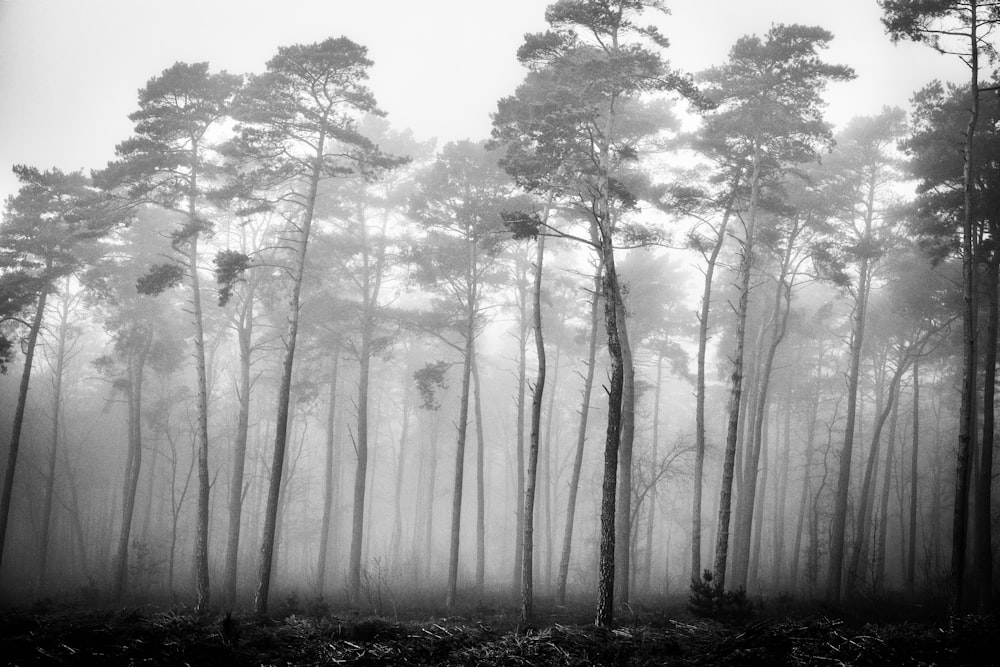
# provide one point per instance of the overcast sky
(70, 69)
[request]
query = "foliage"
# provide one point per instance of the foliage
(159, 278)
(230, 265)
(708, 600)
(430, 379)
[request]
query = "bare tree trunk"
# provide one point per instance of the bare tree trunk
(522, 375)
(606, 563)
(911, 561)
(699, 449)
(527, 592)
(970, 345)
(651, 514)
(480, 479)
(883, 514)
(329, 484)
(22, 399)
(50, 479)
(132, 467)
(732, 429)
(983, 535)
(806, 486)
(574, 483)
(463, 424)
(285, 390)
(862, 524)
(244, 334)
(623, 511)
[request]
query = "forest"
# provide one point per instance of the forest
(666, 350)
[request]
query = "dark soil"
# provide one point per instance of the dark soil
(70, 636)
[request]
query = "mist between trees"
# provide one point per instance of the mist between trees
(279, 345)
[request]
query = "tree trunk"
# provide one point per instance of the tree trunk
(651, 514)
(983, 535)
(606, 562)
(244, 335)
(329, 483)
(50, 479)
(911, 559)
(480, 478)
(732, 429)
(522, 381)
(132, 468)
(967, 410)
(22, 399)
(581, 438)
(623, 511)
(463, 424)
(699, 447)
(285, 390)
(878, 583)
(834, 586)
(527, 593)
(862, 525)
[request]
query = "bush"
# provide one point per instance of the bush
(710, 601)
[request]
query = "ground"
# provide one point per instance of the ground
(49, 634)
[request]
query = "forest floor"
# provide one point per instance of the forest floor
(315, 634)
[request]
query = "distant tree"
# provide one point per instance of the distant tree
(770, 114)
(49, 231)
(169, 163)
(458, 201)
(939, 124)
(857, 180)
(592, 73)
(298, 126)
(962, 28)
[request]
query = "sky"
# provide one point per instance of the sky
(70, 69)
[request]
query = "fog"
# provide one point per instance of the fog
(280, 350)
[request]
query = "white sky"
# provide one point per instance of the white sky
(70, 69)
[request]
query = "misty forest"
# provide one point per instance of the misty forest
(661, 336)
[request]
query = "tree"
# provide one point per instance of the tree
(298, 127)
(770, 113)
(48, 232)
(962, 28)
(458, 201)
(592, 74)
(169, 163)
(939, 121)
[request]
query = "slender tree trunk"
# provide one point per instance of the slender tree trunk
(834, 587)
(22, 399)
(806, 485)
(732, 429)
(748, 499)
(983, 534)
(285, 390)
(463, 424)
(878, 583)
(50, 478)
(527, 593)
(606, 562)
(967, 410)
(699, 448)
(548, 453)
(480, 479)
(522, 381)
(581, 438)
(132, 468)
(911, 560)
(244, 334)
(862, 525)
(651, 514)
(329, 483)
(623, 511)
